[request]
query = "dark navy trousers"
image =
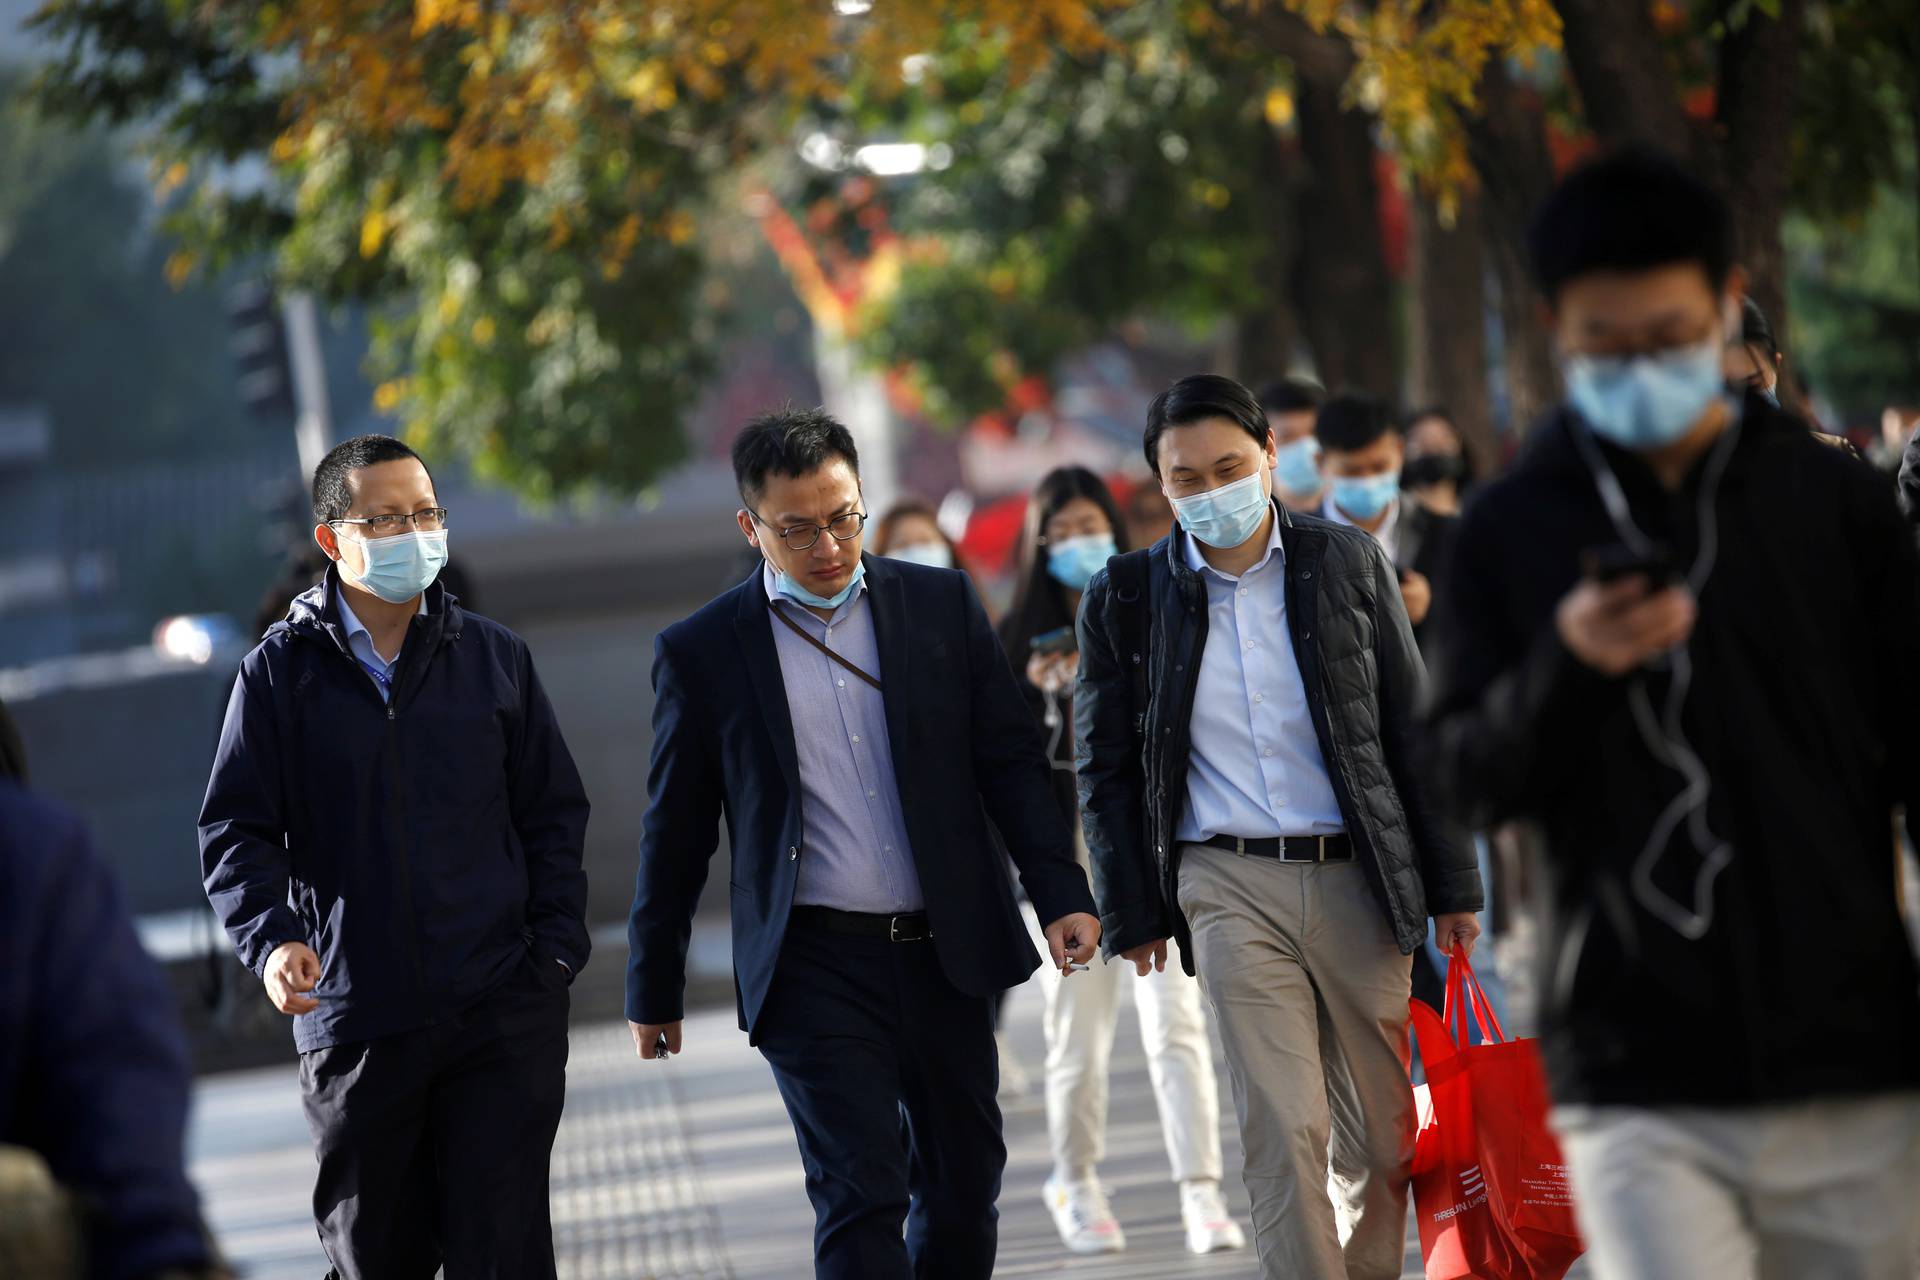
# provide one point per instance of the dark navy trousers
(889, 1074)
(434, 1144)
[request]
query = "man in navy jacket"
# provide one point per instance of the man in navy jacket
(857, 723)
(93, 1068)
(392, 837)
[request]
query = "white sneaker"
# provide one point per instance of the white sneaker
(1083, 1217)
(1209, 1226)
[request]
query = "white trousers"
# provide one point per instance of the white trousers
(1082, 1013)
(1825, 1190)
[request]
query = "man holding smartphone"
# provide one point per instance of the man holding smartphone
(857, 724)
(1628, 657)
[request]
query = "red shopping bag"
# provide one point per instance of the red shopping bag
(1489, 1184)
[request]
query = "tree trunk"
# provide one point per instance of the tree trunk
(1339, 286)
(1759, 76)
(1266, 341)
(1447, 356)
(1507, 142)
(1341, 291)
(1627, 90)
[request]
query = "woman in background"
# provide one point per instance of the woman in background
(1438, 470)
(910, 530)
(1073, 527)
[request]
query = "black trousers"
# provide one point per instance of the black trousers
(434, 1143)
(889, 1074)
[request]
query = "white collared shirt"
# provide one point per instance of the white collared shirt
(360, 644)
(1256, 768)
(1387, 535)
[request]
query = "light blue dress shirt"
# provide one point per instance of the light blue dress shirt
(360, 644)
(1255, 768)
(855, 856)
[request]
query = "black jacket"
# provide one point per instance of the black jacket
(93, 1067)
(964, 750)
(1364, 680)
(1426, 545)
(1803, 983)
(420, 848)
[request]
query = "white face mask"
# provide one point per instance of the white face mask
(932, 554)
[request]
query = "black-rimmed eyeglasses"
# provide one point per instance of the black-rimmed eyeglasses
(799, 537)
(425, 520)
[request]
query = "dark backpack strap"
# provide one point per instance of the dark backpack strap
(1127, 575)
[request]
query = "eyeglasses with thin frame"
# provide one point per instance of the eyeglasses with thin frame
(425, 520)
(800, 537)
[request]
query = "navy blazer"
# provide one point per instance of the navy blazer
(964, 747)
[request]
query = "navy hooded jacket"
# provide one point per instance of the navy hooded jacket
(93, 1067)
(420, 847)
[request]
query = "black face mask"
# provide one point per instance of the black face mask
(1433, 468)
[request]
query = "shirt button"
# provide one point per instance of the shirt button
(1249, 644)
(1243, 591)
(1268, 753)
(1259, 697)
(843, 684)
(872, 794)
(856, 737)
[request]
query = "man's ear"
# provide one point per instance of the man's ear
(327, 540)
(745, 521)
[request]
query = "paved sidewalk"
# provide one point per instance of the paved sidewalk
(687, 1170)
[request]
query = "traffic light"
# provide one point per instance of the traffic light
(259, 342)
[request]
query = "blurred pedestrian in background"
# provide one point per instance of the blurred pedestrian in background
(1626, 656)
(910, 531)
(392, 837)
(856, 722)
(1073, 528)
(1439, 468)
(1289, 406)
(1362, 454)
(1149, 517)
(1249, 789)
(94, 1077)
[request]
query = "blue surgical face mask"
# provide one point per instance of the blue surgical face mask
(1227, 516)
(1646, 402)
(932, 554)
(1074, 561)
(794, 591)
(401, 567)
(1366, 497)
(1296, 468)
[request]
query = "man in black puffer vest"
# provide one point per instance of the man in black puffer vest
(1249, 787)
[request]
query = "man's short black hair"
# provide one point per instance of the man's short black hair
(1348, 423)
(1633, 210)
(1292, 395)
(1197, 397)
(331, 500)
(788, 442)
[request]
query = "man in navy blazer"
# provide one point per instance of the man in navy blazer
(857, 724)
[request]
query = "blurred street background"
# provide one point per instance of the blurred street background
(566, 247)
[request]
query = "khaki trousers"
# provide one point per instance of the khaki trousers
(1309, 990)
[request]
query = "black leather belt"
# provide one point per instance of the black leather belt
(1335, 848)
(912, 927)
